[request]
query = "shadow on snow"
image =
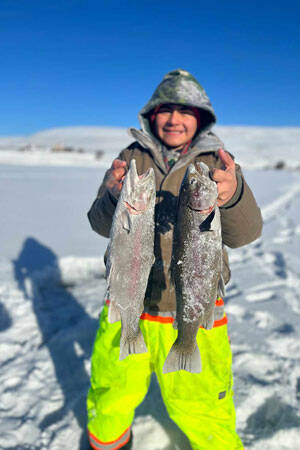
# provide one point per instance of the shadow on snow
(64, 324)
(274, 415)
(5, 319)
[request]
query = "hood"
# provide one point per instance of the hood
(180, 87)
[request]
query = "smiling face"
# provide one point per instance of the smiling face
(175, 125)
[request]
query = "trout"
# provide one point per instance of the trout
(196, 266)
(131, 256)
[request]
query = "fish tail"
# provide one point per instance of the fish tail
(131, 345)
(179, 359)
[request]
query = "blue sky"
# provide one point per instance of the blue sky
(86, 62)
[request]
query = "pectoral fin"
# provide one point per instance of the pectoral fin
(126, 221)
(113, 313)
(221, 287)
(209, 320)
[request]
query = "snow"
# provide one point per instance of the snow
(256, 147)
(37, 149)
(52, 286)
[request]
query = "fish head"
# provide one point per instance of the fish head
(138, 191)
(200, 190)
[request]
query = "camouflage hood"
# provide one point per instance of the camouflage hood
(180, 87)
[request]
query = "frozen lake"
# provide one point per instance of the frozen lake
(50, 204)
(51, 292)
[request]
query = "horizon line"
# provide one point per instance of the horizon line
(126, 128)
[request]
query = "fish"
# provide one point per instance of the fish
(130, 257)
(196, 266)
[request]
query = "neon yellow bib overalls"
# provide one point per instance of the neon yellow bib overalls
(200, 404)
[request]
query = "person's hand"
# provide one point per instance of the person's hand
(115, 176)
(225, 178)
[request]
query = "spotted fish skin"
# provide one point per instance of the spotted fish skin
(196, 266)
(131, 256)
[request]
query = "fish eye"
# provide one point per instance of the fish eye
(193, 181)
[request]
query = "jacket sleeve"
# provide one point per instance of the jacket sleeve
(241, 217)
(102, 210)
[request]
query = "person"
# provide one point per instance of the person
(175, 131)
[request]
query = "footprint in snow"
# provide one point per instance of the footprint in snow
(288, 346)
(264, 319)
(285, 328)
(5, 319)
(236, 310)
(272, 416)
(260, 296)
(231, 292)
(257, 368)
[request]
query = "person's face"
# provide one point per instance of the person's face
(175, 125)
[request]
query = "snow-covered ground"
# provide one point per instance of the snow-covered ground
(51, 293)
(256, 147)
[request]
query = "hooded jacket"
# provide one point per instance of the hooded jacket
(240, 218)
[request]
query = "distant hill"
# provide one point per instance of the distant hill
(90, 138)
(253, 147)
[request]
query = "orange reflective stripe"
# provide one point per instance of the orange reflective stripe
(219, 302)
(220, 322)
(146, 316)
(112, 445)
(110, 442)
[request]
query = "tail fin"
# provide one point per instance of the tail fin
(131, 345)
(179, 359)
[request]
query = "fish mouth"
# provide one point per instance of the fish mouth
(205, 212)
(134, 210)
(145, 176)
